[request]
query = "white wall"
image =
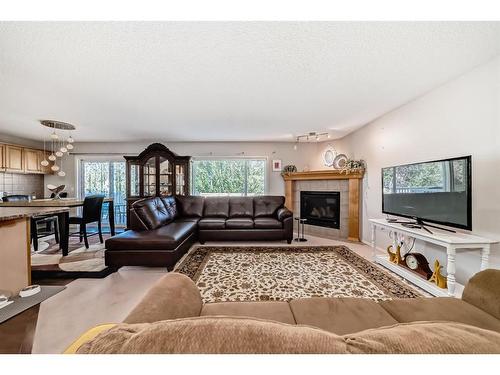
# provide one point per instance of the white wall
(275, 185)
(459, 118)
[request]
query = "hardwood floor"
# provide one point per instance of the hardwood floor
(18, 332)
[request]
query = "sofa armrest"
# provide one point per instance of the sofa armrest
(482, 291)
(283, 213)
(173, 296)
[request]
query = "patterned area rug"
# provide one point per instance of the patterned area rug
(80, 262)
(285, 273)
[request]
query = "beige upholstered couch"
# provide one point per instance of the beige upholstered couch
(172, 319)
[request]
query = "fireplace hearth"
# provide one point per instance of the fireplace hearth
(321, 208)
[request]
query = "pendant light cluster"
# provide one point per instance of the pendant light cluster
(58, 145)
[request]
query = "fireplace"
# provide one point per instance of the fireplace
(321, 208)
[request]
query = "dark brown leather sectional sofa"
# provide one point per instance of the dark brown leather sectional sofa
(162, 229)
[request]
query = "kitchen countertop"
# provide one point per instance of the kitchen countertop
(14, 213)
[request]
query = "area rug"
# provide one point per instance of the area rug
(80, 262)
(285, 273)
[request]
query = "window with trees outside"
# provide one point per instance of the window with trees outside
(229, 177)
(106, 177)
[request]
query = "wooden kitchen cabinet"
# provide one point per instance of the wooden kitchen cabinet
(19, 159)
(32, 159)
(2, 157)
(14, 158)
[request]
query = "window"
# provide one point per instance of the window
(439, 176)
(235, 177)
(107, 178)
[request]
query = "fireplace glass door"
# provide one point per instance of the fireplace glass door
(321, 208)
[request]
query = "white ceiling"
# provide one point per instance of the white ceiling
(225, 81)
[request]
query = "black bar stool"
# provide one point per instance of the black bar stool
(51, 225)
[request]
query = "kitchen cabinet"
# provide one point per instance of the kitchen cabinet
(14, 161)
(19, 159)
(32, 161)
(2, 157)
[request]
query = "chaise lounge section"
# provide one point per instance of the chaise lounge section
(162, 229)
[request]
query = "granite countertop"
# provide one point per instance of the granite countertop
(14, 213)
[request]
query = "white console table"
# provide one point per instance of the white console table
(450, 241)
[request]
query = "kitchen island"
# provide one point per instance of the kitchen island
(15, 247)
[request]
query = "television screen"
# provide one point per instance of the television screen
(436, 191)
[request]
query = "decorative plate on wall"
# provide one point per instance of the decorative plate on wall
(329, 156)
(339, 161)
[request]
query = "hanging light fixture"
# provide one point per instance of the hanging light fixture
(61, 173)
(309, 136)
(58, 146)
(44, 162)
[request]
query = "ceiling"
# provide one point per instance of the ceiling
(225, 81)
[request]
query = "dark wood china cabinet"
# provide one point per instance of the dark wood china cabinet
(155, 172)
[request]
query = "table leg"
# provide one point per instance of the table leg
(485, 253)
(450, 269)
(111, 217)
(374, 247)
(63, 220)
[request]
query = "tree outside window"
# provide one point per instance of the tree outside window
(231, 177)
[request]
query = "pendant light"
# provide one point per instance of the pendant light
(59, 146)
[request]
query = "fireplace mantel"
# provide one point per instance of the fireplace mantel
(353, 177)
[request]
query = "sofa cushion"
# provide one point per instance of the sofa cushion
(224, 335)
(167, 237)
(340, 315)
(267, 205)
(170, 205)
(152, 212)
(216, 207)
(267, 223)
(190, 205)
(171, 297)
(277, 311)
(241, 207)
(188, 218)
(239, 223)
(483, 291)
(212, 223)
(443, 308)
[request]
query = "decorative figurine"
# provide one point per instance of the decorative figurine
(437, 278)
(395, 257)
(56, 190)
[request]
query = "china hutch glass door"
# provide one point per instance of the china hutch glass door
(166, 178)
(156, 171)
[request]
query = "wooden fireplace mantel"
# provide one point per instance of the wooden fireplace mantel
(353, 177)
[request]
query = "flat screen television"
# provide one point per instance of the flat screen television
(438, 191)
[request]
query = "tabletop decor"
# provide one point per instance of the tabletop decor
(287, 169)
(352, 165)
(56, 190)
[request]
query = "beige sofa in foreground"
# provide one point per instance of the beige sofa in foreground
(172, 319)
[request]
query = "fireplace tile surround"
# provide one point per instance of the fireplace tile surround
(341, 186)
(348, 184)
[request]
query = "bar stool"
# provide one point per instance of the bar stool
(300, 221)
